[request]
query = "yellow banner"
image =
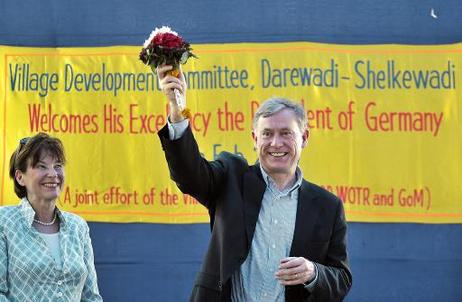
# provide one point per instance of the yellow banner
(385, 124)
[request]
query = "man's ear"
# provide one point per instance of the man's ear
(305, 137)
(254, 137)
(19, 177)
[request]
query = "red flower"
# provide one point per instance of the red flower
(168, 40)
(165, 46)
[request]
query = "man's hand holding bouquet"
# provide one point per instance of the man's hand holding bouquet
(166, 47)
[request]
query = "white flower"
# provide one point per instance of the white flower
(162, 30)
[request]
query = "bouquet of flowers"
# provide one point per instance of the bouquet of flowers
(165, 46)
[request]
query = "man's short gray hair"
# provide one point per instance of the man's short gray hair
(277, 104)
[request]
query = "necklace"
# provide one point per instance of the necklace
(46, 223)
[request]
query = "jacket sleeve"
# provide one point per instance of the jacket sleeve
(3, 267)
(90, 292)
(334, 276)
(193, 174)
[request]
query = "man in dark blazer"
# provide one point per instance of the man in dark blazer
(275, 236)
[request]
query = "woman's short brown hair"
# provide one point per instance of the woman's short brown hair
(29, 152)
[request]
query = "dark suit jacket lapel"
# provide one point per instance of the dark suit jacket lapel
(306, 217)
(253, 190)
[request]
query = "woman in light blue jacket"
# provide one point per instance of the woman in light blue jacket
(45, 253)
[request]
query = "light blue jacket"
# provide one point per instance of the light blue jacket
(28, 271)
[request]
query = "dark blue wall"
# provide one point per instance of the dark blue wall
(120, 22)
(390, 262)
(152, 262)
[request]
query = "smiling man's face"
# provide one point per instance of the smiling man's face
(279, 141)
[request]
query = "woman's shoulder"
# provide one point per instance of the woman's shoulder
(9, 217)
(74, 220)
(7, 212)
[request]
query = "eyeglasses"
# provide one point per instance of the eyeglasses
(22, 142)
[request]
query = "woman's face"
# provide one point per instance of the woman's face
(44, 181)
